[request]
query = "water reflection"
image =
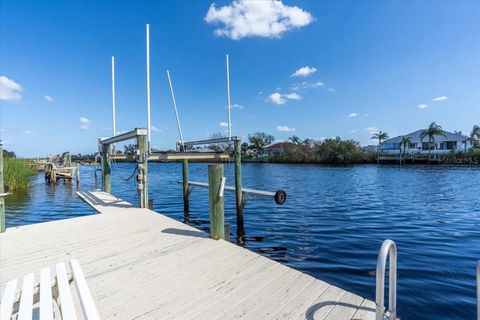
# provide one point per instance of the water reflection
(331, 226)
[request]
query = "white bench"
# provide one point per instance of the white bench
(49, 299)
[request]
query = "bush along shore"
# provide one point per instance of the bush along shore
(330, 151)
(16, 174)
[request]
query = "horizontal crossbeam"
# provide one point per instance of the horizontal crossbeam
(125, 136)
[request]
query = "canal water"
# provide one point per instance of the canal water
(331, 226)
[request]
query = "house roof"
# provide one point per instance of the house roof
(279, 145)
(415, 136)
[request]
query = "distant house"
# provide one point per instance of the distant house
(452, 142)
(277, 149)
(370, 148)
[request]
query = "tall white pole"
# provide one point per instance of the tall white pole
(176, 112)
(113, 97)
(148, 86)
(228, 102)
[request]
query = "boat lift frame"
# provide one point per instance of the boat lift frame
(141, 158)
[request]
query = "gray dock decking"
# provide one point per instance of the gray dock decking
(140, 264)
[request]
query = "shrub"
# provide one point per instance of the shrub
(16, 173)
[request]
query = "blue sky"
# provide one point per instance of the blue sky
(361, 66)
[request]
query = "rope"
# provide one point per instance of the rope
(114, 166)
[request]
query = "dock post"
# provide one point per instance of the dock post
(217, 227)
(238, 191)
(77, 173)
(2, 201)
(142, 162)
(106, 179)
(53, 175)
(186, 191)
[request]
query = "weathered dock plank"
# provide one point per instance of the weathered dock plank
(143, 265)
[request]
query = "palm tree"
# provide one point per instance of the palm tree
(380, 136)
(295, 139)
(405, 142)
(475, 136)
(433, 130)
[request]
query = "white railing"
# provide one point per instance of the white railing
(478, 290)
(388, 248)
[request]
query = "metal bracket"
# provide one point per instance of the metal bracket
(222, 187)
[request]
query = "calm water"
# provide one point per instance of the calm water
(331, 226)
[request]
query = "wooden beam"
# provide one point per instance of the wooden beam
(125, 136)
(238, 192)
(174, 156)
(217, 224)
(210, 141)
(106, 179)
(186, 191)
(142, 163)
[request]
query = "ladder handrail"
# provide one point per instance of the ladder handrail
(388, 248)
(478, 290)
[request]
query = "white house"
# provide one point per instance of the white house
(451, 142)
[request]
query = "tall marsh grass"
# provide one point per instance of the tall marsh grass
(16, 174)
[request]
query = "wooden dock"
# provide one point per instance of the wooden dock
(140, 264)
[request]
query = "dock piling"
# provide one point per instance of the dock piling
(217, 224)
(186, 192)
(106, 178)
(77, 172)
(238, 191)
(142, 170)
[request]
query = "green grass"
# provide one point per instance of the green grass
(16, 174)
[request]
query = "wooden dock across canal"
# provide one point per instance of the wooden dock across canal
(140, 264)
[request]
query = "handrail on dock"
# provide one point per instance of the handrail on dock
(388, 248)
(478, 290)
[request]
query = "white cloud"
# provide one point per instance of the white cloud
(422, 106)
(277, 98)
(224, 124)
(280, 99)
(372, 130)
(267, 18)
(85, 123)
(304, 71)
(306, 85)
(441, 98)
(9, 89)
(285, 129)
(353, 115)
(353, 131)
(27, 132)
(293, 96)
(48, 98)
(155, 129)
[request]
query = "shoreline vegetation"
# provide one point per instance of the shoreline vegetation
(262, 147)
(16, 173)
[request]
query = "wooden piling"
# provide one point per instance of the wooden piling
(217, 224)
(142, 162)
(77, 172)
(2, 190)
(106, 178)
(53, 174)
(238, 191)
(186, 191)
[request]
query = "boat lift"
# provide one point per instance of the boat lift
(143, 153)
